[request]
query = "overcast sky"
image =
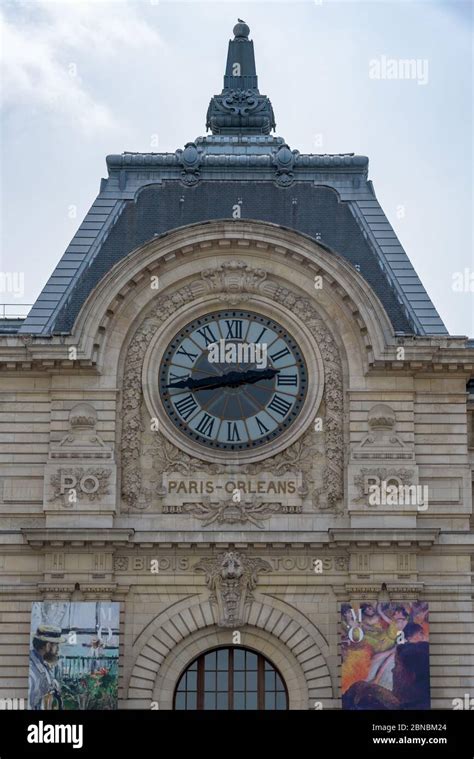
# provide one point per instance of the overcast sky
(85, 79)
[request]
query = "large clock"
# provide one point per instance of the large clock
(232, 380)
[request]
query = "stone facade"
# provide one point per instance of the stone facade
(76, 413)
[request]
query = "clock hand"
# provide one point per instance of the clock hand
(255, 375)
(231, 379)
(196, 384)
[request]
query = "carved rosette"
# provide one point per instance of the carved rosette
(231, 577)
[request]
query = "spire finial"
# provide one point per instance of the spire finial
(241, 30)
(240, 108)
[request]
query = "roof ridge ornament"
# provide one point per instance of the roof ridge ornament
(240, 108)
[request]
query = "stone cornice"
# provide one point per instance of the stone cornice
(414, 590)
(385, 537)
(109, 538)
(395, 591)
(433, 355)
(88, 589)
(23, 589)
(60, 537)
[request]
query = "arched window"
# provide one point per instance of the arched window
(231, 678)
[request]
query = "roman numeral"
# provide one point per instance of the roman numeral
(186, 406)
(234, 329)
(207, 333)
(232, 432)
(279, 405)
(287, 379)
(183, 352)
(177, 377)
(279, 354)
(260, 335)
(206, 425)
(261, 426)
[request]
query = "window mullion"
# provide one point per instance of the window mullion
(200, 683)
(231, 680)
(260, 683)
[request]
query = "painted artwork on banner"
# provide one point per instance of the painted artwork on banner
(385, 656)
(74, 651)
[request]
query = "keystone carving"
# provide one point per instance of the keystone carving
(231, 577)
(233, 282)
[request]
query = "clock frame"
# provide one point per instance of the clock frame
(237, 441)
(233, 380)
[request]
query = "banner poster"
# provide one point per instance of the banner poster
(385, 656)
(74, 653)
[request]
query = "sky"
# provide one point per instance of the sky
(84, 79)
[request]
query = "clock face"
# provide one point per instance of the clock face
(233, 380)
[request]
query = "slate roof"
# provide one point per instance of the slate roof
(10, 326)
(327, 197)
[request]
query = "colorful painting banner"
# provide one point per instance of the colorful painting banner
(385, 656)
(74, 650)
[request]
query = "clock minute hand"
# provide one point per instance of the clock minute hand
(255, 375)
(236, 379)
(231, 379)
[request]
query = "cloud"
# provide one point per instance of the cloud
(43, 48)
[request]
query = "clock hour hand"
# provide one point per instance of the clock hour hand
(196, 384)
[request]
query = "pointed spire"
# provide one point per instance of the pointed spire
(240, 108)
(240, 72)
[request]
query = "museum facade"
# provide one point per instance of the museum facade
(234, 507)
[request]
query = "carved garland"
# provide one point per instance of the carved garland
(168, 457)
(132, 395)
(235, 512)
(331, 493)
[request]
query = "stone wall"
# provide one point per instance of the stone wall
(82, 420)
